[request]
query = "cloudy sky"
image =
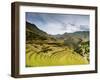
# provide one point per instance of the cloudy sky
(59, 23)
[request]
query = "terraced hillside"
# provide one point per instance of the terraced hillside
(45, 50)
(50, 55)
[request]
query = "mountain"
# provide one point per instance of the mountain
(84, 35)
(34, 33)
(73, 39)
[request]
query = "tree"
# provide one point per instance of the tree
(83, 49)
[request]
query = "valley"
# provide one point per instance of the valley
(43, 49)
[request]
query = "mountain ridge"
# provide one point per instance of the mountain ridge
(78, 34)
(34, 33)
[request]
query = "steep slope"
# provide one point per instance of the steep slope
(34, 33)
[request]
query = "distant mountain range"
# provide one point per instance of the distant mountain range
(73, 39)
(84, 35)
(34, 33)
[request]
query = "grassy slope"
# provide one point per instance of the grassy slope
(57, 56)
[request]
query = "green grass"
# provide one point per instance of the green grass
(51, 55)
